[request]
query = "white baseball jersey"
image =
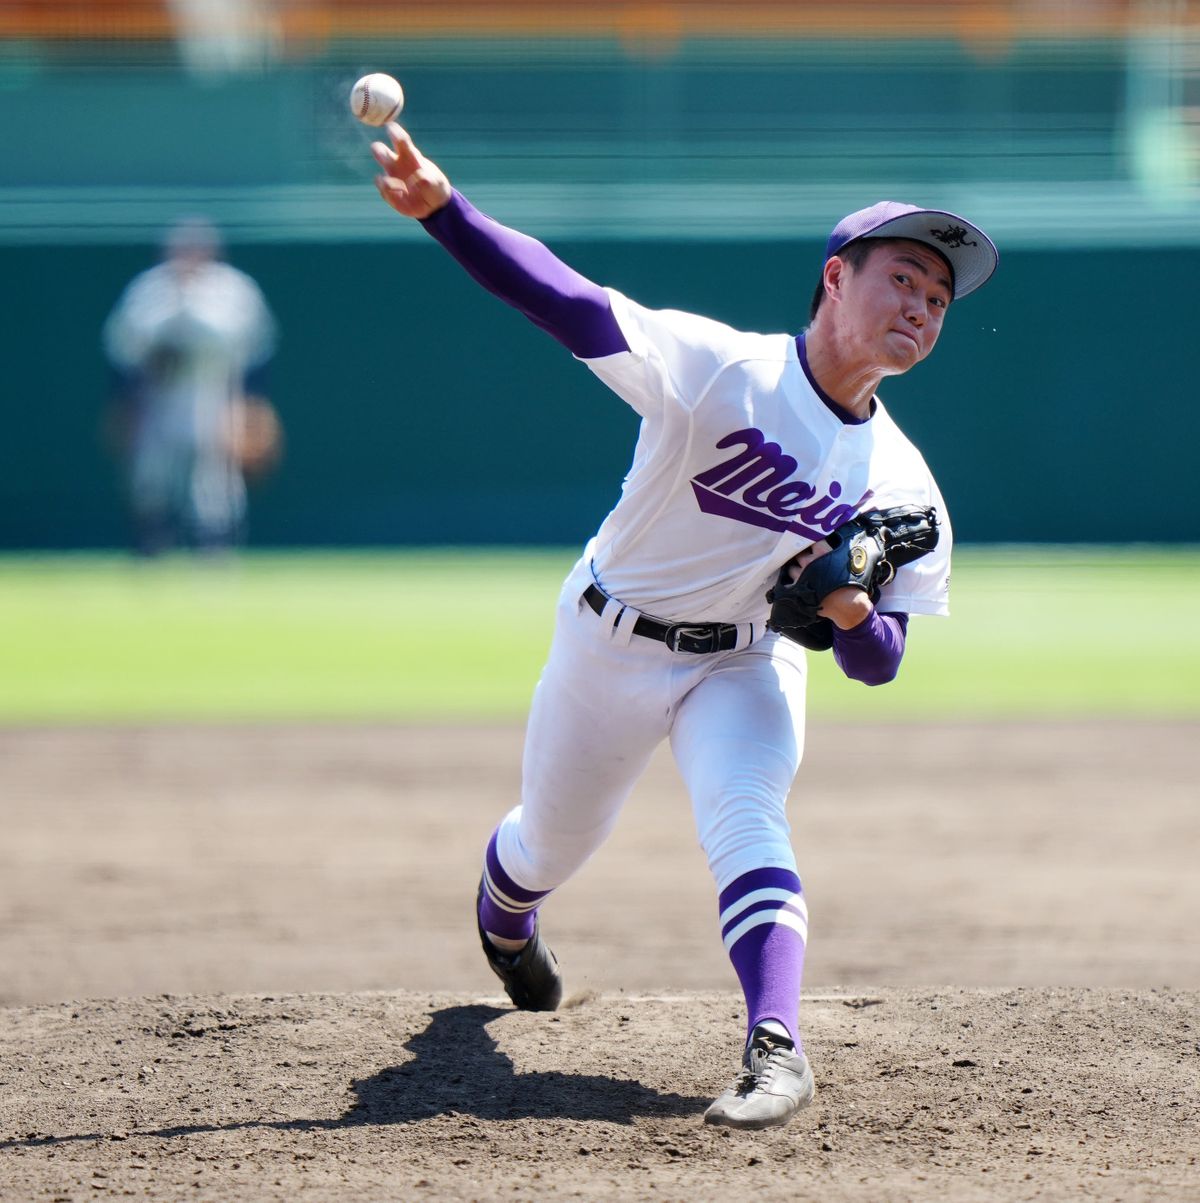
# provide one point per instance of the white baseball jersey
(739, 465)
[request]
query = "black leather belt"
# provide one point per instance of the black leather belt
(697, 638)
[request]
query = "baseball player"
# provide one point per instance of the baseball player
(189, 339)
(754, 452)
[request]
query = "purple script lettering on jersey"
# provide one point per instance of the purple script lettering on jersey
(761, 472)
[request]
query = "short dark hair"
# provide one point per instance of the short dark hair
(856, 253)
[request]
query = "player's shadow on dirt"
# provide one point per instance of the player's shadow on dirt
(458, 1069)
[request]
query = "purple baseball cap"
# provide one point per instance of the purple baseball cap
(971, 253)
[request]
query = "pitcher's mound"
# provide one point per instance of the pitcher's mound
(941, 1094)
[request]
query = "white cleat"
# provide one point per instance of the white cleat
(774, 1084)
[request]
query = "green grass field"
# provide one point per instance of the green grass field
(461, 634)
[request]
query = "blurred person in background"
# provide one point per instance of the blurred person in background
(189, 341)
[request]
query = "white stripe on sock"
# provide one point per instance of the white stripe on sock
(784, 918)
(504, 902)
(769, 893)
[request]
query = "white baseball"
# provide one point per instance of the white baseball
(376, 99)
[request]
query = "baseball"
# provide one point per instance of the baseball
(376, 99)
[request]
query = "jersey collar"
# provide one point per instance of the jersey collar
(843, 415)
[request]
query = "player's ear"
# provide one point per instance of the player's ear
(833, 276)
(824, 288)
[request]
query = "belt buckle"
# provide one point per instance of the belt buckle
(709, 634)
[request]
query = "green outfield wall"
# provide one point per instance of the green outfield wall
(419, 410)
(700, 173)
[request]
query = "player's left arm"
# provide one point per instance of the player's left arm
(868, 645)
(889, 563)
(868, 638)
(871, 651)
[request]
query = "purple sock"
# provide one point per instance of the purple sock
(505, 908)
(764, 923)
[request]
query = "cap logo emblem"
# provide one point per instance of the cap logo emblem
(953, 237)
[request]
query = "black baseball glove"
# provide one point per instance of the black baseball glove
(866, 551)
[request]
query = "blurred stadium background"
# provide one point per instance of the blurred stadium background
(693, 154)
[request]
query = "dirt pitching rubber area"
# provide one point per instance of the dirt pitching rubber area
(240, 963)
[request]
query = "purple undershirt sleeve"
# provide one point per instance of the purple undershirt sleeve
(871, 652)
(526, 275)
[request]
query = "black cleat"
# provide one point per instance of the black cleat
(531, 977)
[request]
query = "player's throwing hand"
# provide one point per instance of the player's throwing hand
(412, 184)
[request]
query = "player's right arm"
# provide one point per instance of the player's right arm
(512, 266)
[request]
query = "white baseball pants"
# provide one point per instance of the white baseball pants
(607, 698)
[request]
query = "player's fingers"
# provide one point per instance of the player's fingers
(408, 158)
(393, 167)
(385, 157)
(394, 192)
(803, 558)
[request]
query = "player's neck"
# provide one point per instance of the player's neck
(847, 380)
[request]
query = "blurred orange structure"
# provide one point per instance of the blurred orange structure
(301, 22)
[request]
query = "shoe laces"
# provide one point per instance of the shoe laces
(747, 1082)
(762, 1057)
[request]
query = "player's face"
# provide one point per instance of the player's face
(893, 305)
(188, 260)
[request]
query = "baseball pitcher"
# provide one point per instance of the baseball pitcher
(773, 506)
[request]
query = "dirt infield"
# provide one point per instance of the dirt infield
(965, 1095)
(1001, 995)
